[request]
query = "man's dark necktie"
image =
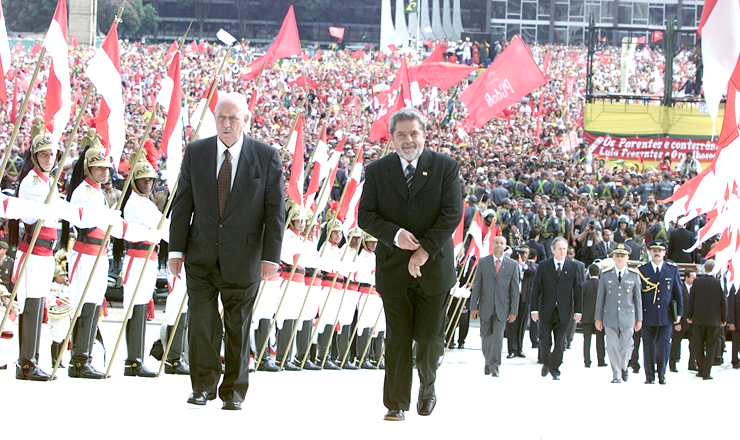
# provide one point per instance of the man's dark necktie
(498, 265)
(558, 270)
(657, 273)
(620, 277)
(224, 183)
(409, 175)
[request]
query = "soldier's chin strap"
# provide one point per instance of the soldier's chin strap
(650, 286)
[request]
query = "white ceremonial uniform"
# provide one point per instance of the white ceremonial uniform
(293, 246)
(330, 263)
(59, 327)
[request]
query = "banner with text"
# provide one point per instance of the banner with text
(652, 149)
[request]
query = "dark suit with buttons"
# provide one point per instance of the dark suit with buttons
(515, 330)
(678, 335)
(588, 320)
(430, 209)
(707, 309)
(556, 298)
(223, 254)
(657, 295)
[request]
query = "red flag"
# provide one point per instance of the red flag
(171, 52)
(358, 54)
(317, 55)
(437, 56)
(641, 40)
(74, 41)
(336, 32)
(5, 60)
(657, 36)
(512, 76)
(320, 160)
(191, 49)
(546, 68)
(297, 176)
(352, 186)
(441, 75)
(203, 47)
(730, 121)
(253, 100)
(14, 110)
(18, 48)
(36, 49)
(301, 82)
(391, 101)
(286, 44)
(354, 104)
(457, 236)
(58, 91)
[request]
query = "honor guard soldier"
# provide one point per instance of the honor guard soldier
(294, 288)
(34, 284)
(373, 305)
(139, 210)
(330, 264)
(177, 287)
(619, 310)
(661, 285)
(60, 309)
(348, 310)
(311, 260)
(84, 192)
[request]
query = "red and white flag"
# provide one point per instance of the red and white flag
(352, 184)
(5, 59)
(336, 32)
(171, 52)
(440, 75)
(320, 168)
(58, 91)
(390, 101)
(208, 124)
(350, 222)
(297, 172)
(512, 76)
(170, 98)
(475, 230)
(332, 167)
(104, 71)
(457, 236)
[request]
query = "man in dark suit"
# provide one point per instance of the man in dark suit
(535, 247)
(590, 290)
(733, 318)
(602, 249)
(412, 203)
(661, 284)
(495, 298)
(707, 314)
(681, 330)
(681, 239)
(515, 330)
(630, 242)
(557, 298)
(227, 227)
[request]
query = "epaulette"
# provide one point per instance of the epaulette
(632, 269)
(670, 263)
(607, 270)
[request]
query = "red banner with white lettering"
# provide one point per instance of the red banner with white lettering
(511, 77)
(652, 149)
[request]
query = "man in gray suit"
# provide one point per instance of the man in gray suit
(495, 298)
(619, 310)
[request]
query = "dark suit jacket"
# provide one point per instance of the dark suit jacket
(528, 281)
(538, 248)
(686, 293)
(251, 229)
(590, 290)
(431, 211)
(707, 302)
(634, 249)
(733, 308)
(566, 290)
(599, 250)
(681, 239)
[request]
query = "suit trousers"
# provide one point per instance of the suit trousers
(548, 329)
(619, 346)
(705, 339)
(515, 330)
(735, 346)
(676, 338)
(492, 337)
(656, 347)
(207, 332)
(588, 330)
(463, 324)
(635, 359)
(534, 333)
(413, 315)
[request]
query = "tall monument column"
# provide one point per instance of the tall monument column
(83, 20)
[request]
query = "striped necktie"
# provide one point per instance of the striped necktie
(409, 175)
(224, 183)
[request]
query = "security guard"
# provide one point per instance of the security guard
(619, 310)
(661, 285)
(34, 285)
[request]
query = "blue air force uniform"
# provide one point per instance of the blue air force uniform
(658, 290)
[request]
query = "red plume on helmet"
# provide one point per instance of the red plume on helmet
(152, 154)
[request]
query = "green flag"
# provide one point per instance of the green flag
(413, 7)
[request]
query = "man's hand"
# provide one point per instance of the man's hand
(577, 317)
(175, 266)
(474, 314)
(268, 269)
(638, 325)
(511, 318)
(535, 316)
(599, 324)
(690, 321)
(732, 327)
(678, 320)
(677, 327)
(418, 259)
(407, 241)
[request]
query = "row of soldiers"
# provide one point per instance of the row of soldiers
(78, 281)
(322, 298)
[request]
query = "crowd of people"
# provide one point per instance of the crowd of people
(516, 177)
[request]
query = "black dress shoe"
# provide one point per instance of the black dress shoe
(587, 365)
(510, 356)
(693, 367)
(425, 406)
(649, 381)
(367, 365)
(268, 365)
(661, 380)
(232, 405)
(381, 365)
(28, 370)
(555, 376)
(544, 371)
(395, 415)
(200, 397)
(176, 367)
(350, 366)
(452, 346)
(137, 369)
(707, 378)
(84, 371)
(460, 346)
(603, 364)
(616, 381)
(310, 366)
(625, 375)
(494, 374)
(329, 365)
(486, 370)
(290, 366)
(736, 365)
(520, 355)
(635, 368)
(673, 369)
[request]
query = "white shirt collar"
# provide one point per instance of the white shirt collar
(561, 263)
(405, 163)
(235, 150)
(656, 268)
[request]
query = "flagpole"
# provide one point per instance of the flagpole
(372, 332)
(48, 200)
(211, 91)
(310, 165)
(353, 332)
(21, 111)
